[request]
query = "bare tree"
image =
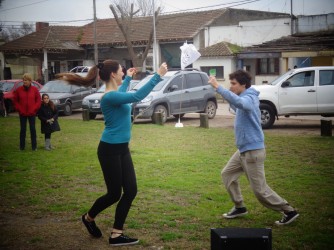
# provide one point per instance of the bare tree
(146, 7)
(124, 13)
(4, 35)
(12, 32)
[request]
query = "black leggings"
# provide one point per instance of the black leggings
(119, 175)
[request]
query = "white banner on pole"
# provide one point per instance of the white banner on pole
(189, 54)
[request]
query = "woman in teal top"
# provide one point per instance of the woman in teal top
(113, 150)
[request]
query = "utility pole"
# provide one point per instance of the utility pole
(291, 25)
(154, 42)
(95, 42)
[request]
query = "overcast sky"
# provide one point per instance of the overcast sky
(66, 12)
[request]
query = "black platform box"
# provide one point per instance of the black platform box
(241, 238)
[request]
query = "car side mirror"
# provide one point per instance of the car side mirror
(286, 84)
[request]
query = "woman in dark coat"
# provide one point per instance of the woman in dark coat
(48, 114)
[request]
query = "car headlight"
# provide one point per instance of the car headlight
(85, 102)
(56, 101)
(147, 99)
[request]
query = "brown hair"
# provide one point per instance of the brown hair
(104, 70)
(242, 76)
(51, 104)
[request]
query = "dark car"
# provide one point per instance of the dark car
(8, 87)
(65, 96)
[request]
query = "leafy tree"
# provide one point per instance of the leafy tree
(124, 13)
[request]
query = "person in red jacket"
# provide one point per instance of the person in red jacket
(27, 101)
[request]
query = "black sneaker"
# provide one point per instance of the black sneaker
(287, 218)
(122, 240)
(236, 212)
(91, 227)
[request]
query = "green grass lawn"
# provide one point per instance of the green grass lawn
(180, 194)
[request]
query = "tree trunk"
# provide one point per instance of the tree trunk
(124, 23)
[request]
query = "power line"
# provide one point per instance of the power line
(237, 3)
(231, 4)
(24, 5)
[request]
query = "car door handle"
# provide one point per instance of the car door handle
(311, 90)
(186, 91)
(205, 89)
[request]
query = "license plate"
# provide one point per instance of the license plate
(96, 106)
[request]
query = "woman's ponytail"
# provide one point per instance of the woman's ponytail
(78, 80)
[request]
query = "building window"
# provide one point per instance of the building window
(267, 66)
(219, 71)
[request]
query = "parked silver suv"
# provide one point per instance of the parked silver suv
(178, 93)
(93, 102)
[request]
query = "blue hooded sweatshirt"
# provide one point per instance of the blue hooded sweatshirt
(247, 124)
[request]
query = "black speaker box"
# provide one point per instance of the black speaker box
(241, 239)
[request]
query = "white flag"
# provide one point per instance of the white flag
(189, 54)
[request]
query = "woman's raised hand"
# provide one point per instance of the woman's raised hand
(163, 69)
(131, 71)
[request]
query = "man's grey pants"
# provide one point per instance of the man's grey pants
(252, 164)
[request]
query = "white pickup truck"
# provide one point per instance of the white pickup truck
(302, 91)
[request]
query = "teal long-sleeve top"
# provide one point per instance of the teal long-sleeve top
(116, 109)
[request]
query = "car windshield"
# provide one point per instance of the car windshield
(6, 86)
(56, 87)
(278, 79)
(148, 78)
(101, 89)
(133, 83)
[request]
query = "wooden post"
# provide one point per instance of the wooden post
(158, 118)
(204, 120)
(326, 127)
(85, 115)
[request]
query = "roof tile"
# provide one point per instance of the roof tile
(219, 49)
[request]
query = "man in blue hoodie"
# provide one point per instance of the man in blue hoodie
(251, 153)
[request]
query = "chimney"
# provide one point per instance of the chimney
(41, 25)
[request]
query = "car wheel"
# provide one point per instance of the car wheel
(162, 109)
(178, 115)
(210, 109)
(267, 115)
(68, 108)
(92, 116)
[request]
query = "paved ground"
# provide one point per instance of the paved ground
(300, 125)
(224, 119)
